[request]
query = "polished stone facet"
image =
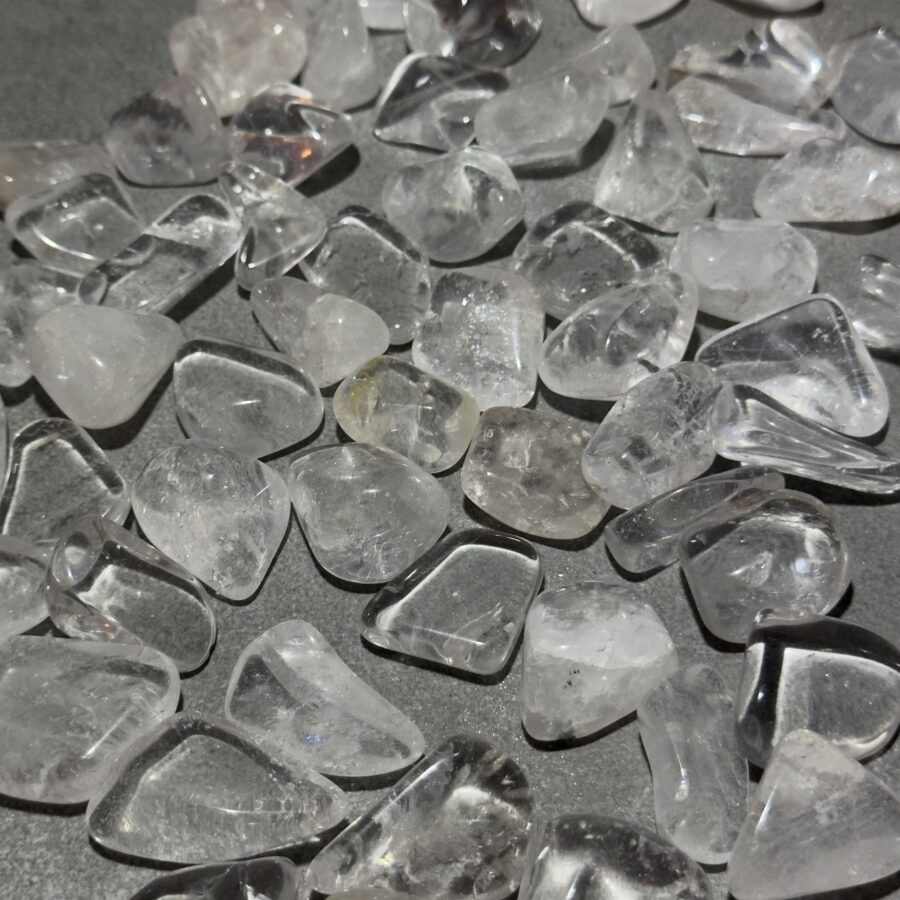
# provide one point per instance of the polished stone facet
(524, 469)
(462, 605)
(622, 56)
(268, 878)
(367, 512)
(22, 569)
(875, 308)
(591, 652)
(290, 688)
(455, 826)
(617, 12)
(69, 708)
(218, 513)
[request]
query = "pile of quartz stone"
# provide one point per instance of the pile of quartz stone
(788, 389)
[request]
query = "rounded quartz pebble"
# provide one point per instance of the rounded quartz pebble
(622, 12)
(267, 878)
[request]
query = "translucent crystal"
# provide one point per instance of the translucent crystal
(455, 826)
(621, 55)
(591, 652)
(456, 206)
(268, 878)
(875, 309)
(483, 335)
(809, 358)
(608, 345)
(218, 513)
(69, 708)
(652, 173)
(461, 605)
(22, 569)
(291, 688)
(782, 5)
(524, 469)
(250, 797)
(759, 551)
(615, 12)
(383, 15)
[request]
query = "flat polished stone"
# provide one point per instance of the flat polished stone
(268, 878)
(23, 566)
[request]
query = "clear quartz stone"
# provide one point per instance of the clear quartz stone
(787, 6)
(22, 569)
(875, 308)
(622, 56)
(383, 15)
(615, 12)
(268, 878)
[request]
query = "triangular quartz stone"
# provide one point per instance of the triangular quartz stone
(268, 878)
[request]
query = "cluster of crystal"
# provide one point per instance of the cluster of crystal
(809, 358)
(455, 826)
(23, 566)
(524, 469)
(455, 207)
(658, 436)
(483, 334)
(823, 674)
(69, 708)
(622, 56)
(462, 605)
(745, 268)
(652, 173)
(270, 877)
(394, 404)
(329, 335)
(366, 258)
(875, 308)
(367, 512)
(255, 401)
(612, 343)
(218, 513)
(251, 797)
(763, 550)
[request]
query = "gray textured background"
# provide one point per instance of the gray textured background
(65, 67)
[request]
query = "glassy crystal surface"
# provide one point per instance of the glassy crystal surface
(22, 569)
(745, 268)
(578, 252)
(104, 584)
(250, 797)
(366, 258)
(652, 173)
(456, 206)
(268, 878)
(461, 605)
(608, 345)
(255, 401)
(658, 436)
(782, 5)
(875, 309)
(591, 652)
(394, 404)
(100, 364)
(621, 55)
(383, 15)
(483, 334)
(218, 513)
(524, 469)
(455, 826)
(615, 12)
(809, 358)
(329, 335)
(819, 821)
(69, 708)
(290, 687)
(763, 551)
(56, 475)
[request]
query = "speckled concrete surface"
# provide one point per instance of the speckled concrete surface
(64, 68)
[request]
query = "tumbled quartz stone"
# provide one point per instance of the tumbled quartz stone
(701, 785)
(578, 252)
(250, 797)
(291, 688)
(383, 15)
(267, 878)
(56, 475)
(99, 364)
(483, 334)
(105, 584)
(761, 551)
(364, 257)
(591, 652)
(782, 5)
(69, 708)
(367, 512)
(456, 206)
(462, 605)
(431, 101)
(590, 857)
(874, 308)
(810, 359)
(827, 675)
(218, 513)
(524, 469)
(819, 821)
(255, 401)
(622, 56)
(745, 268)
(617, 12)
(658, 436)
(652, 173)
(610, 344)
(329, 335)
(22, 569)
(455, 826)
(394, 404)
